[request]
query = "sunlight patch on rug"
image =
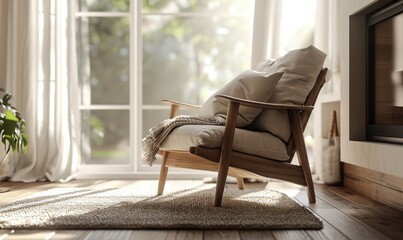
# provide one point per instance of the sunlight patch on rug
(133, 208)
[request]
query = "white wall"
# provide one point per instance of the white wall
(386, 158)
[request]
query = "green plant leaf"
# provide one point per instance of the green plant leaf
(9, 115)
(12, 126)
(6, 99)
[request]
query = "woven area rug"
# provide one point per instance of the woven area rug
(126, 208)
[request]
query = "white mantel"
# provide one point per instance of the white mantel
(381, 157)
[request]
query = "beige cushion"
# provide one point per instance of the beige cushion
(261, 144)
(262, 65)
(251, 85)
(301, 68)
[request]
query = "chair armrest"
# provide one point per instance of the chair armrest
(263, 105)
(180, 104)
(175, 105)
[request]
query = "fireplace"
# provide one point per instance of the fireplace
(376, 73)
(385, 74)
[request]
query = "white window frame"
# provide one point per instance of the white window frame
(113, 170)
(136, 169)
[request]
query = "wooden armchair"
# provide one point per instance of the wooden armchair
(226, 161)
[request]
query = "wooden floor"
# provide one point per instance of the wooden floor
(345, 215)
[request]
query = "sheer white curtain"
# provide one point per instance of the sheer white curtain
(34, 61)
(266, 30)
(327, 38)
(284, 25)
(281, 26)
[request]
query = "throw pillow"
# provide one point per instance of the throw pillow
(301, 68)
(250, 85)
(262, 65)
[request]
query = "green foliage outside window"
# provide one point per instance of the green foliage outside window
(183, 57)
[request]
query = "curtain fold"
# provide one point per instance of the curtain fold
(35, 57)
(327, 38)
(266, 30)
(320, 27)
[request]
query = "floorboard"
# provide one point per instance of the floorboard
(394, 217)
(329, 231)
(221, 235)
(344, 223)
(380, 221)
(296, 234)
(185, 235)
(257, 235)
(345, 214)
(71, 234)
(149, 234)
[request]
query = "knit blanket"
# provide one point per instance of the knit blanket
(152, 142)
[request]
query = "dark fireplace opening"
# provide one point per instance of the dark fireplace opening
(384, 81)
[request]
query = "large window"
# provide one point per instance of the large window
(132, 54)
(103, 54)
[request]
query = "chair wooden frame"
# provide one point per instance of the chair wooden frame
(225, 161)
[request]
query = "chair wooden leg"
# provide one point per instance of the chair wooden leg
(240, 182)
(163, 174)
(220, 185)
(302, 156)
(301, 152)
(226, 152)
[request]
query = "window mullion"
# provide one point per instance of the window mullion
(102, 14)
(196, 14)
(104, 107)
(136, 79)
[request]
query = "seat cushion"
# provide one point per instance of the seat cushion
(250, 85)
(301, 68)
(260, 144)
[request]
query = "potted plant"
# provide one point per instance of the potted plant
(12, 128)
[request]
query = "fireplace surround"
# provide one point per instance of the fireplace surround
(378, 165)
(376, 73)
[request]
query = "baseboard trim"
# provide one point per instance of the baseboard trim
(381, 187)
